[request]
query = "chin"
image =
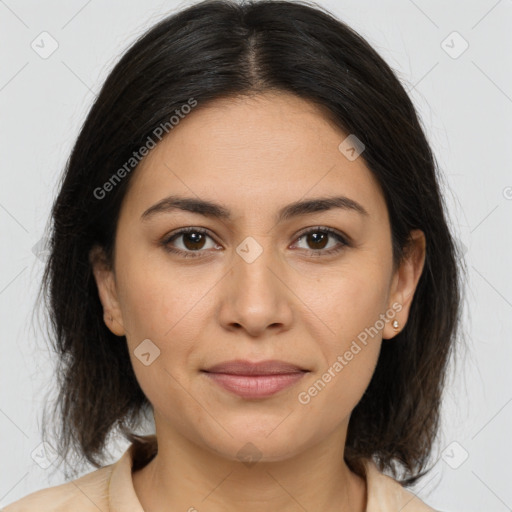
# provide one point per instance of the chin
(260, 442)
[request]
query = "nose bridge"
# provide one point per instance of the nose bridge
(257, 297)
(256, 265)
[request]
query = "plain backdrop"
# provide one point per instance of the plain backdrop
(452, 57)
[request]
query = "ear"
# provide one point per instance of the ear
(105, 281)
(405, 281)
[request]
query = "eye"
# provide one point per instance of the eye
(193, 240)
(318, 238)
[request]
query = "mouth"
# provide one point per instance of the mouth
(253, 380)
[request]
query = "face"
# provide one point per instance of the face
(313, 288)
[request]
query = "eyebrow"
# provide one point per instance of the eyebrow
(214, 210)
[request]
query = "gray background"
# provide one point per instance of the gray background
(465, 102)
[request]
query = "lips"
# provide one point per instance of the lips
(242, 367)
(254, 380)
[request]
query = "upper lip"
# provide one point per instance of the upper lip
(242, 367)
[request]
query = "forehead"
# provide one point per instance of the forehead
(253, 153)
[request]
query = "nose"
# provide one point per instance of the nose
(255, 295)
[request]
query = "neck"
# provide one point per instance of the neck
(185, 476)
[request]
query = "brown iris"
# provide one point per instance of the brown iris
(316, 238)
(196, 240)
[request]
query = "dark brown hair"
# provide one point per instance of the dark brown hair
(220, 49)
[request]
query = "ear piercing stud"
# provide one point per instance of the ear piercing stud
(395, 324)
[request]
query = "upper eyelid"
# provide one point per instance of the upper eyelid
(331, 231)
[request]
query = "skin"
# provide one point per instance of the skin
(253, 156)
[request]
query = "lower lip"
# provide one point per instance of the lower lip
(258, 386)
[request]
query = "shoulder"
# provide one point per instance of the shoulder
(107, 488)
(88, 493)
(387, 494)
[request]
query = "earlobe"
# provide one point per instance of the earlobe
(107, 291)
(405, 282)
(393, 327)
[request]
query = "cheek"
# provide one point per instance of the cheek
(346, 300)
(350, 353)
(349, 302)
(164, 304)
(158, 305)
(333, 394)
(153, 295)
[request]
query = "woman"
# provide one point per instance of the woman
(251, 245)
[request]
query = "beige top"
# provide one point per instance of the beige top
(110, 489)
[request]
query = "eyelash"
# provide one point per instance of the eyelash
(197, 254)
